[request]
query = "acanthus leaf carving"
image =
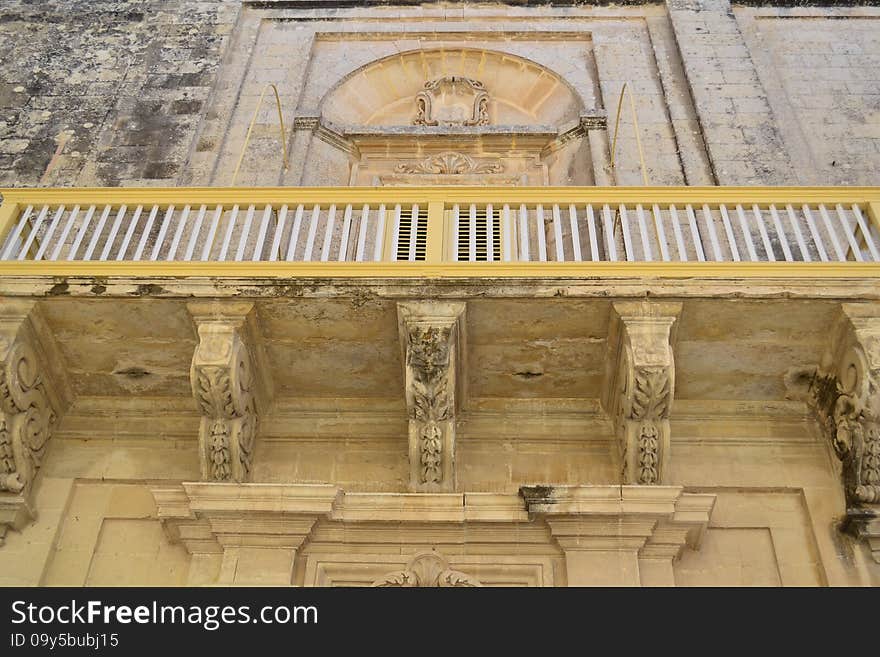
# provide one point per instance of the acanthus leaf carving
(427, 569)
(450, 163)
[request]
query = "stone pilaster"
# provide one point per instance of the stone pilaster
(736, 120)
(229, 388)
(844, 394)
(621, 535)
(430, 334)
(31, 400)
(639, 386)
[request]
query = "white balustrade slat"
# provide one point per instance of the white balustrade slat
(660, 231)
(96, 234)
(524, 233)
(275, 247)
(713, 234)
(747, 233)
(328, 233)
(362, 234)
(728, 231)
(129, 232)
(178, 234)
(542, 234)
(591, 230)
(16, 233)
(557, 234)
(866, 233)
(610, 243)
(196, 231)
(832, 234)
(111, 237)
(151, 219)
(575, 234)
(47, 238)
(780, 233)
(850, 236)
(395, 236)
(26, 246)
(472, 234)
(212, 233)
(506, 245)
(380, 234)
(84, 227)
(643, 233)
(762, 229)
(295, 229)
(346, 228)
(245, 232)
(695, 233)
(798, 235)
(814, 232)
(163, 230)
(227, 237)
(313, 231)
(261, 235)
(413, 232)
(679, 238)
(627, 238)
(65, 231)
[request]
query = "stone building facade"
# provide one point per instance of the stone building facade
(410, 427)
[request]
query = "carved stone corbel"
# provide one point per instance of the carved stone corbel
(844, 394)
(29, 408)
(640, 383)
(430, 334)
(427, 569)
(228, 389)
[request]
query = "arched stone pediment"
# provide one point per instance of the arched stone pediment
(482, 87)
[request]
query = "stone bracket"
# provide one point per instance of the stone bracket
(33, 393)
(231, 386)
(431, 333)
(639, 385)
(844, 395)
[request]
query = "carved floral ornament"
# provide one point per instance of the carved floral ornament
(452, 101)
(450, 163)
(428, 569)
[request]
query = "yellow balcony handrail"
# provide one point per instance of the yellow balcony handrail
(504, 231)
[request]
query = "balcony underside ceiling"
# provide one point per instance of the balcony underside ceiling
(336, 355)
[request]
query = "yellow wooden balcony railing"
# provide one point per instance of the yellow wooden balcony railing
(441, 231)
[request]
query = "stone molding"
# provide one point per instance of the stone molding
(430, 334)
(229, 386)
(844, 394)
(32, 397)
(640, 385)
(427, 569)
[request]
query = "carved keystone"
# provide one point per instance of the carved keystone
(430, 333)
(29, 406)
(227, 388)
(640, 381)
(844, 394)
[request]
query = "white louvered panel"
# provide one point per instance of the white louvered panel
(679, 238)
(490, 234)
(456, 217)
(129, 233)
(472, 234)
(413, 233)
